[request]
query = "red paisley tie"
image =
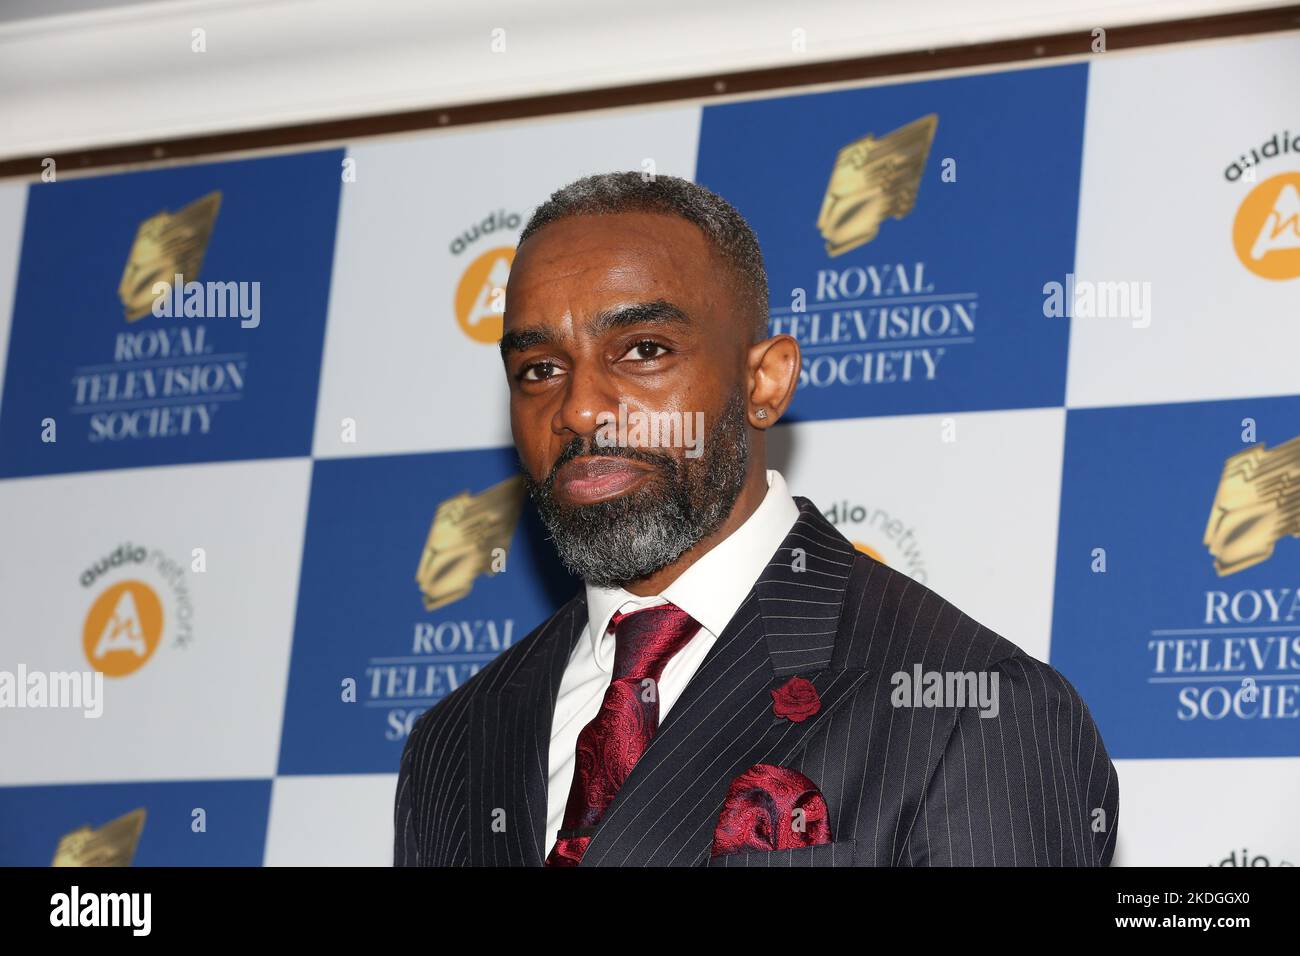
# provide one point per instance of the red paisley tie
(611, 744)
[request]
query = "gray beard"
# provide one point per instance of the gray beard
(625, 539)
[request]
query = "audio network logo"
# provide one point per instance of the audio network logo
(480, 301)
(1253, 860)
(1266, 229)
(125, 622)
(882, 535)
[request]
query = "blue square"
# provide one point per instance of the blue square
(1159, 644)
(943, 309)
(124, 390)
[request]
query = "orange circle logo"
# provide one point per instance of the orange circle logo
(869, 551)
(1266, 232)
(481, 295)
(123, 628)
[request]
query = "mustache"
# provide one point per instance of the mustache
(579, 447)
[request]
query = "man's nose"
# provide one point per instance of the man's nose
(588, 400)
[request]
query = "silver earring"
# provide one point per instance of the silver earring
(760, 413)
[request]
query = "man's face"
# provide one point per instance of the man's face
(627, 317)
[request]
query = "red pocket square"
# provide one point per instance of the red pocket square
(771, 808)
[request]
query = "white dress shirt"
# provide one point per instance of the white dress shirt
(710, 590)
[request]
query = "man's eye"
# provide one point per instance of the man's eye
(649, 349)
(537, 372)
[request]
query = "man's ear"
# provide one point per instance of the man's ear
(773, 366)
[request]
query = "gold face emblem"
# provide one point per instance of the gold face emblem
(166, 245)
(874, 180)
(113, 844)
(1256, 505)
(469, 533)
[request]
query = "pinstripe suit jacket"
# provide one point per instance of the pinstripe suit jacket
(919, 786)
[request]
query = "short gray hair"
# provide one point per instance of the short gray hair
(724, 227)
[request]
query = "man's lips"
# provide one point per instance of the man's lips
(596, 478)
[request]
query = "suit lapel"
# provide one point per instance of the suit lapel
(509, 745)
(723, 723)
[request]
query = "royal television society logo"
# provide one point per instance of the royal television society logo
(1240, 658)
(882, 322)
(882, 535)
(480, 300)
(469, 538)
(139, 593)
(162, 379)
(1266, 228)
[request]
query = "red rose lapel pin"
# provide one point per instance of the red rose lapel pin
(796, 700)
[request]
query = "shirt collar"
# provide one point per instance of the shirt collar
(712, 589)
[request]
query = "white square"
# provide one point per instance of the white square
(1157, 206)
(973, 518)
(13, 209)
(1233, 812)
(410, 347)
(200, 658)
(332, 821)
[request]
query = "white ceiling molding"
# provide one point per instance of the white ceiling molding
(95, 73)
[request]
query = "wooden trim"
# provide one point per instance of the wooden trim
(696, 88)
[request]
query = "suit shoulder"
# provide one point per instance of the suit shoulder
(500, 670)
(891, 620)
(1036, 687)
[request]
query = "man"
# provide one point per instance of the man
(735, 685)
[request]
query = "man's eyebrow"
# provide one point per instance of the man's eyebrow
(636, 313)
(517, 340)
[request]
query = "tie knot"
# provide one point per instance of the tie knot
(646, 639)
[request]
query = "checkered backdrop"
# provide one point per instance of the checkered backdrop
(226, 515)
